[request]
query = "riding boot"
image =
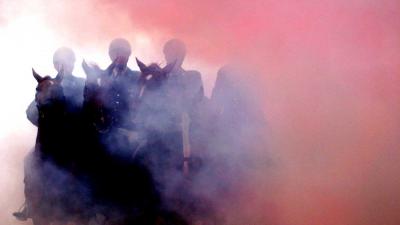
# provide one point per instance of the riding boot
(23, 214)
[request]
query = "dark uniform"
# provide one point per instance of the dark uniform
(173, 138)
(118, 92)
(110, 106)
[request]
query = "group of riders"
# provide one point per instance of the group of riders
(127, 146)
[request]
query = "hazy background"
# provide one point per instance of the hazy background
(330, 70)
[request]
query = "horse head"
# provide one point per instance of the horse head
(92, 71)
(48, 89)
(153, 76)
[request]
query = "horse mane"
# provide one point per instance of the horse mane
(155, 67)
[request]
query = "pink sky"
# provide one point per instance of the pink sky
(331, 71)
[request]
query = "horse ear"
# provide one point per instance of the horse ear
(60, 74)
(168, 68)
(36, 76)
(141, 65)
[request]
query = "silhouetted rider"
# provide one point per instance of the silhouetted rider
(110, 97)
(63, 58)
(115, 88)
(180, 98)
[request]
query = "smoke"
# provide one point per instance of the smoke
(329, 71)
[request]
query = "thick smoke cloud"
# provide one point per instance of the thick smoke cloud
(330, 71)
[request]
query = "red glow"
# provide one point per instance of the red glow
(331, 72)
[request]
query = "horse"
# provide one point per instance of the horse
(151, 156)
(53, 190)
(122, 187)
(152, 110)
(180, 204)
(154, 123)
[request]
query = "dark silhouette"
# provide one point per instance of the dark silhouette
(123, 187)
(179, 96)
(115, 87)
(63, 59)
(189, 109)
(53, 191)
(239, 128)
(115, 147)
(154, 122)
(111, 99)
(73, 86)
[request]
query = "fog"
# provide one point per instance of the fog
(325, 73)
